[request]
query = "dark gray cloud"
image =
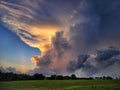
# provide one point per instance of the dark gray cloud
(110, 19)
(96, 63)
(96, 25)
(77, 64)
(106, 54)
(60, 44)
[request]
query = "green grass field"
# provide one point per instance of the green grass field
(61, 85)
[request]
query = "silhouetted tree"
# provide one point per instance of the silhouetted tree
(66, 77)
(38, 76)
(59, 77)
(73, 76)
(53, 77)
(5, 76)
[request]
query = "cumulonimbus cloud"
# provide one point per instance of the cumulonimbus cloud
(63, 30)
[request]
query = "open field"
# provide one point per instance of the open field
(61, 85)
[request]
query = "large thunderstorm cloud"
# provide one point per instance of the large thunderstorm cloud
(67, 32)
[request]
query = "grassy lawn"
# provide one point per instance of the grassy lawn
(61, 85)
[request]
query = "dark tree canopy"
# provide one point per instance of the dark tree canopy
(10, 76)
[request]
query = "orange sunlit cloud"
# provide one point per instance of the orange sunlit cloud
(35, 59)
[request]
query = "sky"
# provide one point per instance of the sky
(60, 37)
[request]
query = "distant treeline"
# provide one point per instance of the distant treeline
(10, 76)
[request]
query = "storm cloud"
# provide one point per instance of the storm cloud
(77, 64)
(55, 55)
(96, 62)
(67, 32)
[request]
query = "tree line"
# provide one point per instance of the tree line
(10, 76)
